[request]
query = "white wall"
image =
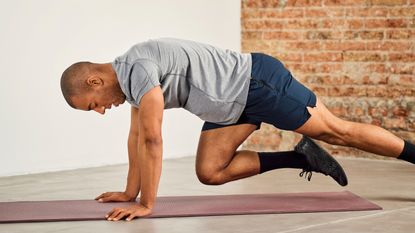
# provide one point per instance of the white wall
(39, 39)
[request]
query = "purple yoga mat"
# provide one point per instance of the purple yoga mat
(186, 206)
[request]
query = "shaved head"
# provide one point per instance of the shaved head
(91, 86)
(73, 80)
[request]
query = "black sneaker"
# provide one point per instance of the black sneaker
(319, 160)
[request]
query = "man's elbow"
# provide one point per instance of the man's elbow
(154, 147)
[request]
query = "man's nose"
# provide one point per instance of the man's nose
(100, 110)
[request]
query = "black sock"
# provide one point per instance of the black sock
(408, 153)
(285, 159)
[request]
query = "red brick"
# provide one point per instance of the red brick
(290, 13)
(260, 3)
(324, 12)
(271, 13)
(288, 57)
(373, 79)
(411, 23)
(338, 111)
(400, 111)
(402, 12)
(301, 3)
(331, 79)
(390, 91)
(318, 89)
(282, 35)
(256, 45)
(329, 68)
(302, 67)
(407, 80)
(402, 68)
(377, 111)
(346, 91)
(248, 35)
(400, 34)
(354, 24)
(344, 46)
(313, 68)
(278, 3)
(386, 23)
(363, 57)
(378, 68)
(301, 24)
(365, 35)
(303, 46)
(345, 2)
(402, 57)
(389, 46)
(314, 79)
(313, 23)
(371, 35)
(395, 123)
(351, 35)
(403, 80)
(261, 24)
(388, 2)
(323, 35)
(366, 12)
(323, 57)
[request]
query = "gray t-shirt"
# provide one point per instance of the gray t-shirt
(210, 82)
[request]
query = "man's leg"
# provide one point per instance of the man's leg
(218, 160)
(323, 125)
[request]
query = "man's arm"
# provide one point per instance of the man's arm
(149, 156)
(150, 145)
(133, 180)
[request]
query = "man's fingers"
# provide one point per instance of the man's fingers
(109, 198)
(120, 215)
(132, 216)
(104, 199)
(110, 213)
(114, 213)
(98, 197)
(102, 195)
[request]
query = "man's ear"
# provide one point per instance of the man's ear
(94, 81)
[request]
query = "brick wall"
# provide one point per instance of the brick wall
(358, 56)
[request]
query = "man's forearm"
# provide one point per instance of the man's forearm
(133, 180)
(150, 155)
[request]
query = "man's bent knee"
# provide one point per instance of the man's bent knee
(210, 177)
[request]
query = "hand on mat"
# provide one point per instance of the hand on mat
(130, 212)
(114, 197)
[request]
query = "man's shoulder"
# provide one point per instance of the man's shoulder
(141, 50)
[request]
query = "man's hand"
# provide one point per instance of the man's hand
(130, 212)
(114, 196)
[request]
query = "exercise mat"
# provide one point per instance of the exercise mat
(186, 206)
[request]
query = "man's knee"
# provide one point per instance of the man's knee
(209, 176)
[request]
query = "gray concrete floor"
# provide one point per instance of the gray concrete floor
(389, 184)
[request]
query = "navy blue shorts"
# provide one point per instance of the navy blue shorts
(275, 97)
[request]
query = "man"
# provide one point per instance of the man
(233, 92)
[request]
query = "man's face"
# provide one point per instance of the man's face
(99, 99)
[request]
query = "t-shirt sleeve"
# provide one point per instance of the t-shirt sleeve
(145, 75)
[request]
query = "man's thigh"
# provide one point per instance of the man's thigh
(217, 146)
(322, 124)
